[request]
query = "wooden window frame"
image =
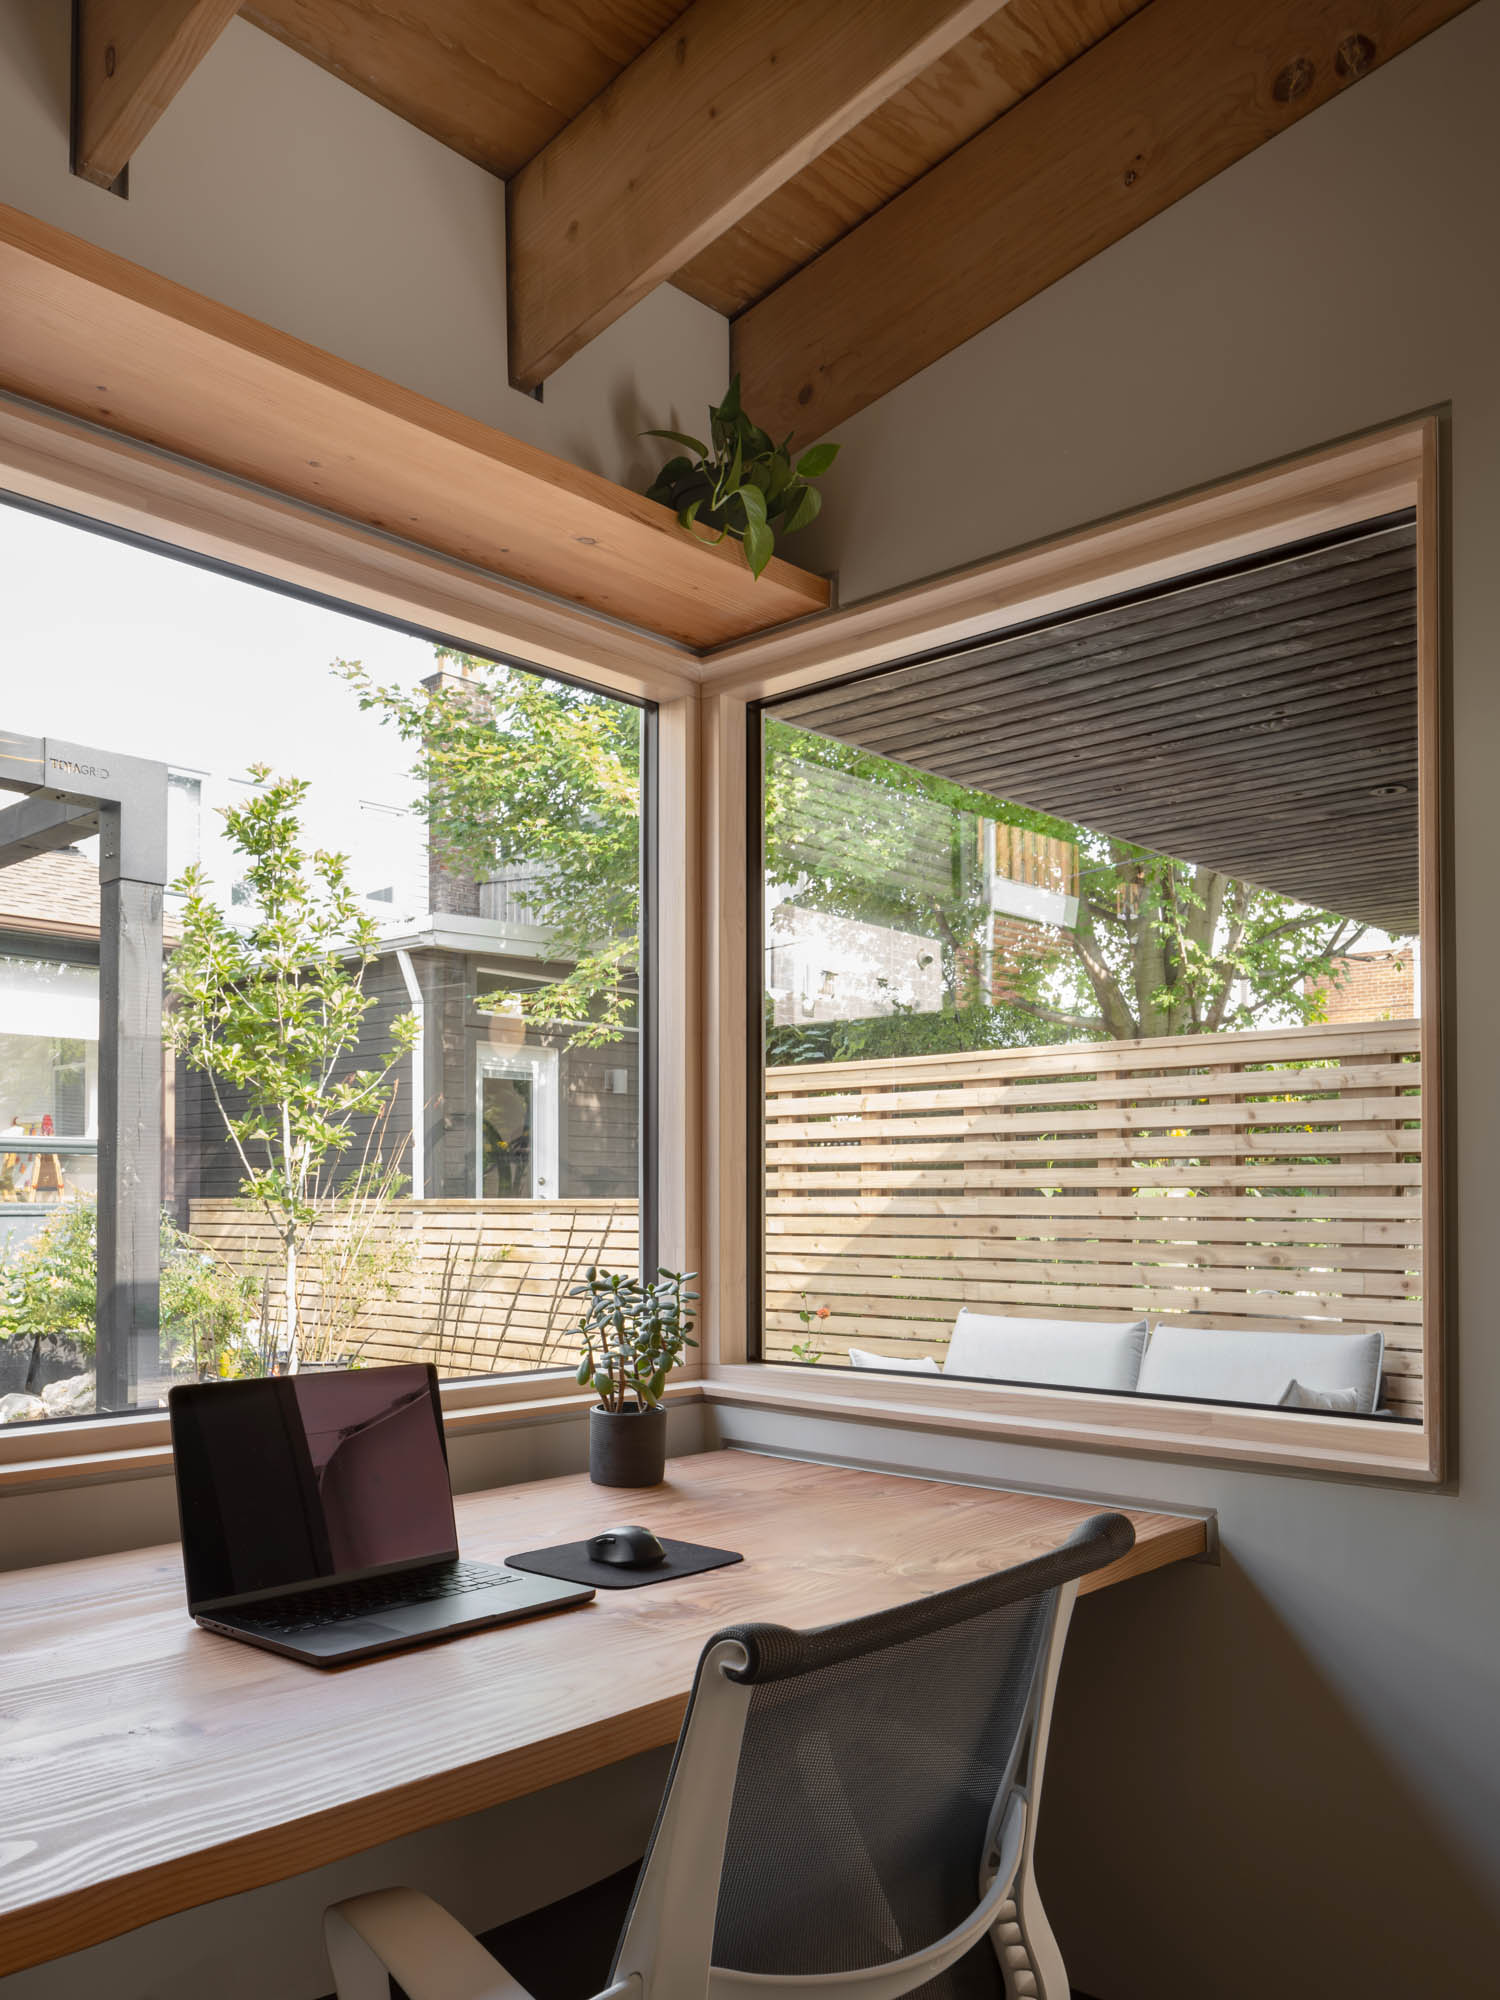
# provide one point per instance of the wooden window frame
(702, 1103)
(103, 480)
(1341, 485)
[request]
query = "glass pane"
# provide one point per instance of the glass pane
(400, 1076)
(1092, 1000)
(507, 1136)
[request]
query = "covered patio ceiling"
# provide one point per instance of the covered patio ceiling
(1263, 723)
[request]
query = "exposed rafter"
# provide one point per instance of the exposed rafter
(131, 59)
(1176, 94)
(723, 108)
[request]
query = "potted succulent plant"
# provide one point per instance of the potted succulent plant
(633, 1333)
(742, 483)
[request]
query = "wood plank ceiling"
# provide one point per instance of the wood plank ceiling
(860, 185)
(1263, 723)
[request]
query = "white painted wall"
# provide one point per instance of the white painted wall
(1283, 1775)
(273, 187)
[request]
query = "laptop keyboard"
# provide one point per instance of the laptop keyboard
(331, 1604)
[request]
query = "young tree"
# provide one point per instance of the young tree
(270, 1015)
(518, 771)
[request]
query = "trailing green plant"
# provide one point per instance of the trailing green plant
(741, 483)
(634, 1334)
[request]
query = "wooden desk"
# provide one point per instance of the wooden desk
(147, 1766)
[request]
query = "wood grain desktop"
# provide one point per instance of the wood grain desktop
(147, 1766)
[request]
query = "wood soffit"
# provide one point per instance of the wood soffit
(1032, 135)
(1262, 723)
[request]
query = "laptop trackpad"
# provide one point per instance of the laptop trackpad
(350, 1633)
(409, 1621)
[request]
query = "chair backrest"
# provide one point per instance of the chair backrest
(859, 1800)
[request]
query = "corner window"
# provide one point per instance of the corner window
(323, 1002)
(1092, 1020)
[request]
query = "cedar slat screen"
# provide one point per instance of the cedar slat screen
(1265, 1180)
(479, 1287)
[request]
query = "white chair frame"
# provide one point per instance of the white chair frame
(665, 1951)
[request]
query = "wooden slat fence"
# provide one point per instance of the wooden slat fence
(479, 1287)
(1266, 1180)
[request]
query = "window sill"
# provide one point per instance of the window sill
(126, 1447)
(1274, 1440)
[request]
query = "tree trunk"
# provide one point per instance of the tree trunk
(289, 1280)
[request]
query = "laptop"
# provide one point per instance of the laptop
(317, 1517)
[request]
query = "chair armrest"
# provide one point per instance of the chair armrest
(402, 1934)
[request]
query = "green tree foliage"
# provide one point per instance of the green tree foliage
(50, 1289)
(525, 773)
(271, 1014)
(910, 1031)
(1161, 947)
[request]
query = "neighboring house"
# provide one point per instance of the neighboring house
(511, 1110)
(1372, 986)
(853, 966)
(49, 1034)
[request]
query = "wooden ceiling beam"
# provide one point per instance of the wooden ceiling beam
(130, 59)
(1169, 99)
(724, 107)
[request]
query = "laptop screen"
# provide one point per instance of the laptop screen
(306, 1477)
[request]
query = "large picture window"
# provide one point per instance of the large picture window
(354, 921)
(1092, 1020)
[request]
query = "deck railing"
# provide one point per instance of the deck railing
(1266, 1180)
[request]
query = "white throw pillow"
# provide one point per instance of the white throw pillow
(1067, 1353)
(908, 1364)
(1298, 1397)
(1245, 1365)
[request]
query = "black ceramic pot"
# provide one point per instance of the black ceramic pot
(627, 1447)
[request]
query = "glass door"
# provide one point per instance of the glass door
(517, 1123)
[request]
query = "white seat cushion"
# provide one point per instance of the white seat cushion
(1299, 1397)
(1069, 1353)
(1240, 1365)
(910, 1364)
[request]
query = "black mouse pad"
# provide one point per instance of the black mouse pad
(572, 1563)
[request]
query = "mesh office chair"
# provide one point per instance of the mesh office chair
(850, 1813)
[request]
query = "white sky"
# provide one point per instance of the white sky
(131, 652)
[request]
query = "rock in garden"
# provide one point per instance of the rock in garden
(72, 1397)
(20, 1409)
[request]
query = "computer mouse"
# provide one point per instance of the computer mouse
(630, 1548)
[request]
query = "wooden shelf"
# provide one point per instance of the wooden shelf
(84, 331)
